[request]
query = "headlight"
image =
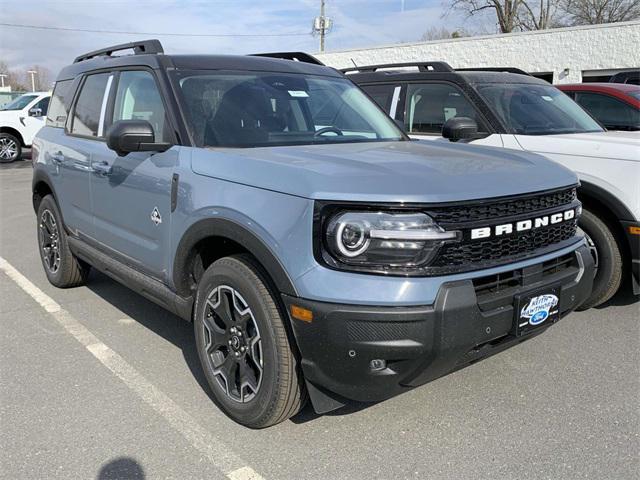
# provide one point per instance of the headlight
(383, 242)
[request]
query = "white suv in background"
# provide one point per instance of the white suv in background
(20, 120)
(506, 107)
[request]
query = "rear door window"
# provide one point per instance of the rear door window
(611, 112)
(88, 114)
(428, 106)
(386, 96)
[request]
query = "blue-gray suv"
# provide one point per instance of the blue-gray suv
(319, 252)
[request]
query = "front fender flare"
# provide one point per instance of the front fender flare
(224, 228)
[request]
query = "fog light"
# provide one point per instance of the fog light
(377, 364)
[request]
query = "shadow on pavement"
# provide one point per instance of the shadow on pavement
(623, 298)
(180, 333)
(120, 468)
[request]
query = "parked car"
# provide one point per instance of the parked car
(628, 76)
(614, 105)
(20, 120)
(317, 250)
(511, 109)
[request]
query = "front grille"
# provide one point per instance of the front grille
(505, 208)
(468, 255)
(503, 248)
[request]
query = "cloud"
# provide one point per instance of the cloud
(357, 23)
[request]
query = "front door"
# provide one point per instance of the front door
(132, 194)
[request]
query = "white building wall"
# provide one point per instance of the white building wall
(594, 47)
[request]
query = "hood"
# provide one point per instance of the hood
(409, 171)
(613, 145)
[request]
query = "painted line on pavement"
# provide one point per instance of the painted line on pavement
(217, 452)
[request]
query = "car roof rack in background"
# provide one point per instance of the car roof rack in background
(422, 66)
(139, 48)
(494, 69)
(295, 56)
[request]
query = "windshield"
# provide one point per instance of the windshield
(19, 103)
(537, 109)
(635, 95)
(249, 109)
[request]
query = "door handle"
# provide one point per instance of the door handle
(101, 168)
(57, 158)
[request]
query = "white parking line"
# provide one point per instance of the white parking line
(218, 453)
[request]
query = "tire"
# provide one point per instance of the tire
(608, 259)
(10, 148)
(255, 397)
(62, 268)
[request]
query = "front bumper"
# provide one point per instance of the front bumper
(470, 320)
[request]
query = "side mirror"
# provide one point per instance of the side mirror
(126, 136)
(460, 128)
(35, 112)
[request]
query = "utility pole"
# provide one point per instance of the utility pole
(33, 74)
(322, 28)
(322, 25)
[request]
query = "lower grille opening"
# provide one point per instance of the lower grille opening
(494, 291)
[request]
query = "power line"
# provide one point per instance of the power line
(166, 34)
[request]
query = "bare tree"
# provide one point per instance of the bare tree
(506, 11)
(539, 16)
(441, 33)
(14, 78)
(591, 12)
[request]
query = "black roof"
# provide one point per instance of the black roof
(292, 62)
(467, 75)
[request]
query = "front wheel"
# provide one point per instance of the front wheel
(61, 266)
(606, 253)
(243, 345)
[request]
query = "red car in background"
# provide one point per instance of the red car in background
(615, 105)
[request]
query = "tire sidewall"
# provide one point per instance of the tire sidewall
(18, 148)
(251, 411)
(607, 250)
(48, 203)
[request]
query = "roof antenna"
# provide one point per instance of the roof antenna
(354, 63)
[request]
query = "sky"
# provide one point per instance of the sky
(357, 23)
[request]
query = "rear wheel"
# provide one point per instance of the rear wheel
(243, 345)
(10, 148)
(62, 268)
(606, 253)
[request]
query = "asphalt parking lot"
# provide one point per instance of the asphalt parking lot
(97, 382)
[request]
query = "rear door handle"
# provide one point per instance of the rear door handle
(102, 168)
(58, 158)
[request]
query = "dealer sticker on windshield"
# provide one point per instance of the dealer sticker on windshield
(537, 310)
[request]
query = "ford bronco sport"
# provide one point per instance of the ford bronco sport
(318, 252)
(507, 107)
(20, 120)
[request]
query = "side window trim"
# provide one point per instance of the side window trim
(394, 101)
(103, 107)
(486, 123)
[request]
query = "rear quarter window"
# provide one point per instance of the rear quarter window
(59, 104)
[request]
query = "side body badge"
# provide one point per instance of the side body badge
(156, 218)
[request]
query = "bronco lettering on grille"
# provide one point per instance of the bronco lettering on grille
(523, 225)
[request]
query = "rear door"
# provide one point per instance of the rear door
(71, 156)
(132, 194)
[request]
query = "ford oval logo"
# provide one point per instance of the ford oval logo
(538, 318)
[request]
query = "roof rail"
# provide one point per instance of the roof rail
(139, 48)
(494, 69)
(422, 66)
(295, 56)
